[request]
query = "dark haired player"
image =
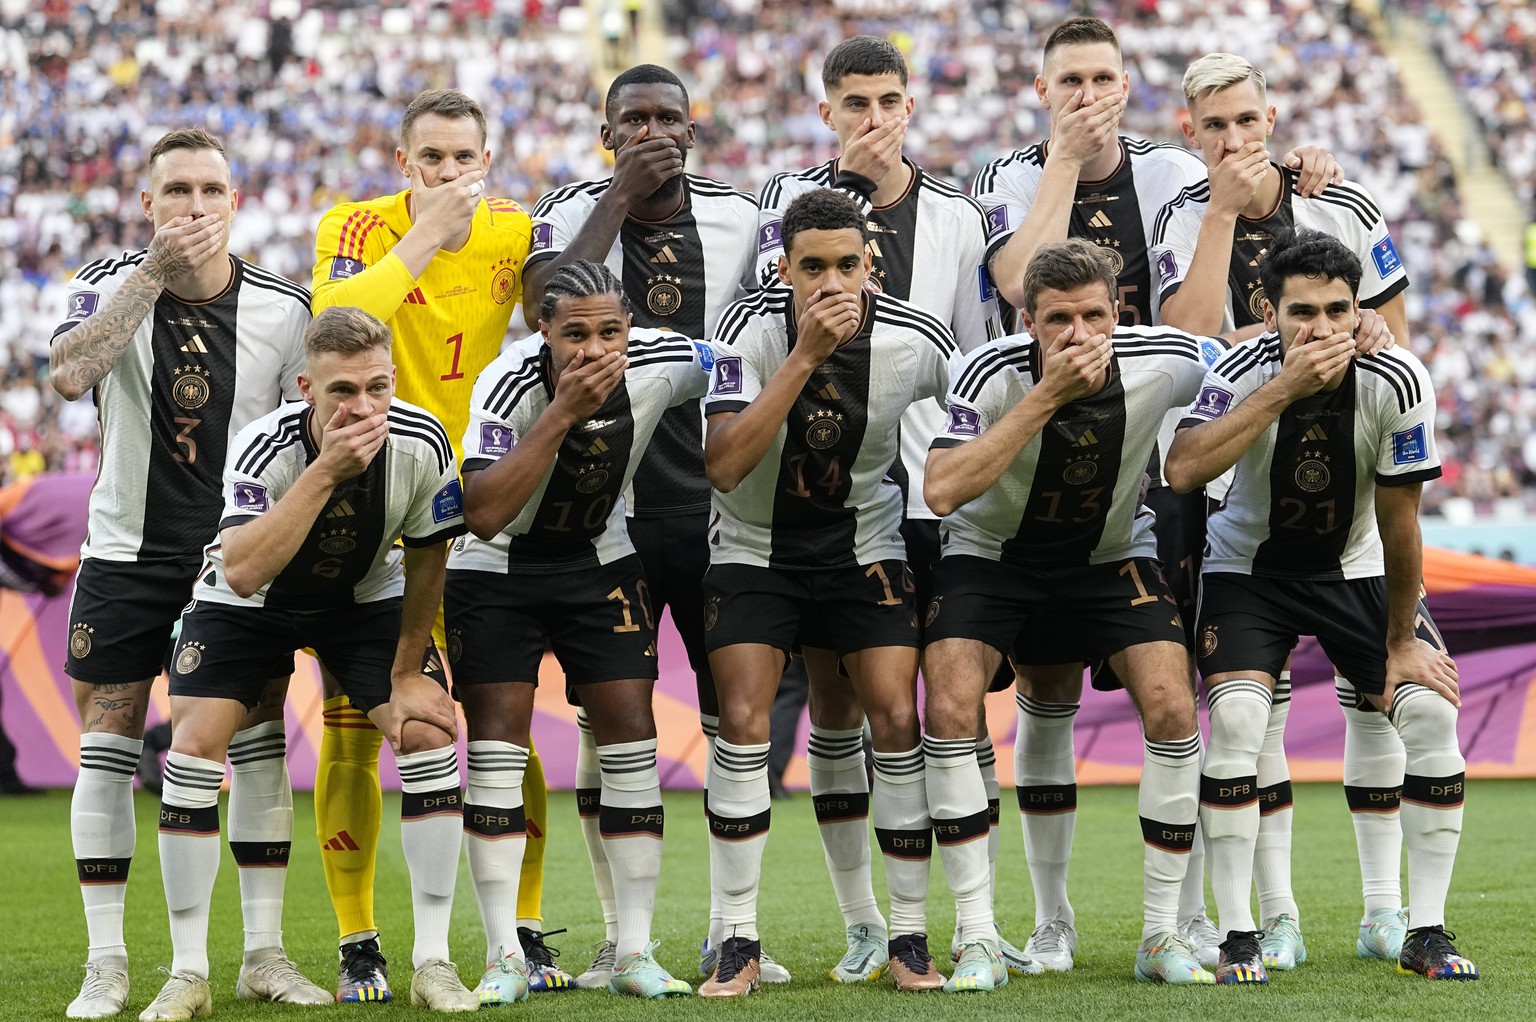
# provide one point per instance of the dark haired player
(1319, 535)
(558, 426)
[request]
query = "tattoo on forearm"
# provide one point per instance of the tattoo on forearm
(87, 353)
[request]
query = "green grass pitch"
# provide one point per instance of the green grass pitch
(1491, 908)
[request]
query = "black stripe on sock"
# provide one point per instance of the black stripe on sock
(1437, 792)
(416, 805)
(587, 801)
(181, 820)
(491, 823)
(257, 854)
(1372, 800)
(739, 828)
(961, 829)
(1274, 797)
(1047, 799)
(1229, 792)
(1170, 837)
(102, 871)
(912, 845)
(835, 807)
(623, 821)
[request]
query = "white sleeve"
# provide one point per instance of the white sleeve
(247, 495)
(1006, 201)
(84, 299)
(691, 380)
(968, 418)
(1383, 275)
(555, 226)
(437, 508)
(770, 223)
(293, 358)
(736, 381)
(488, 436)
(976, 319)
(1171, 254)
(1406, 452)
(1218, 395)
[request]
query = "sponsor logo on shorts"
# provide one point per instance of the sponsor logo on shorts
(1213, 402)
(82, 304)
(80, 640)
(1409, 446)
(251, 497)
(934, 606)
(963, 421)
(1208, 641)
(495, 439)
(711, 613)
(449, 502)
(727, 375)
(455, 644)
(1384, 255)
(343, 267)
(770, 236)
(190, 658)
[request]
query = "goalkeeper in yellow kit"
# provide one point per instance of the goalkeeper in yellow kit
(442, 264)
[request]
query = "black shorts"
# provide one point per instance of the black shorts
(1180, 532)
(1251, 624)
(597, 619)
(674, 553)
(122, 616)
(841, 609)
(1053, 615)
(229, 652)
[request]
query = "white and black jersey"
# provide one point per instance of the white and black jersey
(1302, 503)
(1118, 214)
(1344, 211)
(1072, 495)
(409, 492)
(821, 497)
(929, 248)
(575, 518)
(193, 376)
(679, 274)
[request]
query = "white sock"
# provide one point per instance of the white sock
(1272, 849)
(1192, 890)
(261, 828)
(496, 834)
(840, 794)
(1045, 779)
(1374, 762)
(431, 832)
(101, 828)
(1434, 788)
(986, 759)
(1229, 791)
(1168, 803)
(739, 816)
(189, 854)
(632, 821)
(957, 801)
(709, 723)
(589, 798)
(905, 833)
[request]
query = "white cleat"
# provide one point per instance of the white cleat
(104, 992)
(269, 975)
(436, 985)
(600, 973)
(770, 970)
(1052, 945)
(184, 996)
(1202, 933)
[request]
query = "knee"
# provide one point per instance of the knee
(1171, 719)
(419, 736)
(742, 723)
(895, 728)
(1239, 716)
(1424, 718)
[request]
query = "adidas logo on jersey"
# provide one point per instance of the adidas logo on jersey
(415, 297)
(1100, 220)
(195, 345)
(829, 393)
(342, 842)
(664, 256)
(342, 510)
(598, 447)
(1316, 434)
(1086, 440)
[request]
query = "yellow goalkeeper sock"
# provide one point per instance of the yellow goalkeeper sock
(530, 885)
(348, 809)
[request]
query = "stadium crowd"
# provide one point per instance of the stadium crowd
(306, 100)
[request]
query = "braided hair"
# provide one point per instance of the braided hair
(580, 278)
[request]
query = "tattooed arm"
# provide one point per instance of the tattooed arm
(83, 356)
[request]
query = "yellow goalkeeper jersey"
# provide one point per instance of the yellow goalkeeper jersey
(450, 322)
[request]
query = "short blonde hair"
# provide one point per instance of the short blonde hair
(345, 330)
(1217, 71)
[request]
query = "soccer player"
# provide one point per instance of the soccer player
(442, 264)
(927, 246)
(558, 427)
(1048, 557)
(285, 572)
(809, 387)
(1209, 247)
(683, 247)
(182, 345)
(1086, 181)
(1319, 535)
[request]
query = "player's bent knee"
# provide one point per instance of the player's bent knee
(1423, 717)
(1239, 710)
(419, 736)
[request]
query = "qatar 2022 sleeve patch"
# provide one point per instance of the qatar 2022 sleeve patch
(997, 221)
(495, 439)
(963, 421)
(448, 503)
(1212, 403)
(727, 375)
(252, 497)
(343, 267)
(770, 236)
(543, 237)
(1410, 447)
(82, 304)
